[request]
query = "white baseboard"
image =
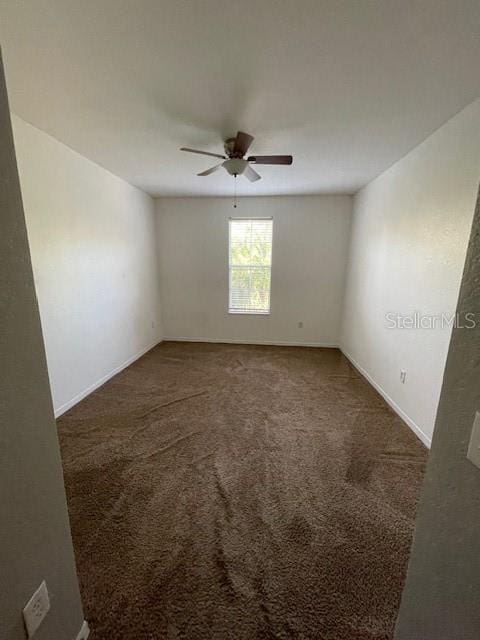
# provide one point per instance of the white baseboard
(427, 441)
(83, 394)
(273, 343)
(84, 632)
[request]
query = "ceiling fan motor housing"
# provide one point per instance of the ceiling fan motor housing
(229, 146)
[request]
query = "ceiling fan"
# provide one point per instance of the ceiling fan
(234, 159)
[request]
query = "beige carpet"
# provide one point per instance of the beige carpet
(243, 492)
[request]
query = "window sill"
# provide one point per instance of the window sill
(248, 313)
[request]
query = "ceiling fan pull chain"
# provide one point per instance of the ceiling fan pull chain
(235, 192)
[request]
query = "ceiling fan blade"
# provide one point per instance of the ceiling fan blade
(203, 153)
(251, 174)
(242, 142)
(270, 159)
(211, 170)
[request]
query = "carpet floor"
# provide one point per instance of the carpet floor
(244, 492)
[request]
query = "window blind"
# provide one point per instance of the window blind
(250, 261)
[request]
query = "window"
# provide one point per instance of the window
(250, 261)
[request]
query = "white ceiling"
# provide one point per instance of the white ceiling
(346, 86)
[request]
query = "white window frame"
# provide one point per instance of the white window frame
(254, 312)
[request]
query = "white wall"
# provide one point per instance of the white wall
(92, 241)
(409, 237)
(310, 242)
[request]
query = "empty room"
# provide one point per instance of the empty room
(240, 320)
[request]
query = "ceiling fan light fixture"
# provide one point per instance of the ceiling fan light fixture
(235, 166)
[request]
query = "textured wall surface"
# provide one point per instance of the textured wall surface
(409, 237)
(35, 541)
(442, 592)
(94, 256)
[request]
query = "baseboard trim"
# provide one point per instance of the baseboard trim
(84, 631)
(421, 435)
(86, 392)
(272, 343)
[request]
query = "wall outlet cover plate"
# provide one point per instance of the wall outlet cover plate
(36, 609)
(473, 453)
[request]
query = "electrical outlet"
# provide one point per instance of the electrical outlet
(473, 453)
(36, 609)
(403, 376)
